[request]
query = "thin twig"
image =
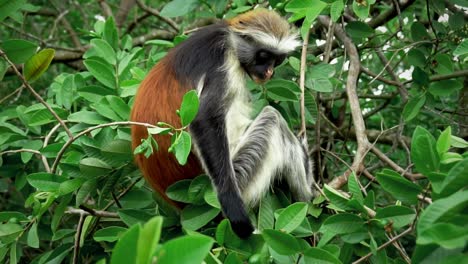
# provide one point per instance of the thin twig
(38, 97)
(395, 166)
(79, 230)
(44, 159)
(92, 212)
(384, 245)
(86, 131)
(303, 131)
(17, 90)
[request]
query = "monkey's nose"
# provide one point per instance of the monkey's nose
(268, 73)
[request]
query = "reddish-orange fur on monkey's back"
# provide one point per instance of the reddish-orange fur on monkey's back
(157, 99)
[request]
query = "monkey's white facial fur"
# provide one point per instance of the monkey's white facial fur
(268, 29)
(262, 39)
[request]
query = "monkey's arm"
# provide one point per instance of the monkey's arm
(209, 134)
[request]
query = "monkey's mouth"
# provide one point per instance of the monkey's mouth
(263, 79)
(260, 80)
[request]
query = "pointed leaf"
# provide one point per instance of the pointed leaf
(38, 64)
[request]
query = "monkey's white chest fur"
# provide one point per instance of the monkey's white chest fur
(238, 116)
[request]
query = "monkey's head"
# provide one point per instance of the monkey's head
(262, 39)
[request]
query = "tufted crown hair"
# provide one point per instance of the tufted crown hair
(266, 27)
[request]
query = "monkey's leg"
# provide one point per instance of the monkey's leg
(268, 149)
(208, 132)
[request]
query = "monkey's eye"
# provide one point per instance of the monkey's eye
(262, 57)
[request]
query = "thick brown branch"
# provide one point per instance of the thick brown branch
(156, 13)
(351, 91)
(124, 8)
(386, 16)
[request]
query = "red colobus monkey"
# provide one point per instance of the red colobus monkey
(242, 156)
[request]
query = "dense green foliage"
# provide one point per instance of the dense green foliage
(70, 192)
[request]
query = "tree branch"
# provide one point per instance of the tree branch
(86, 131)
(384, 245)
(351, 91)
(36, 95)
(156, 13)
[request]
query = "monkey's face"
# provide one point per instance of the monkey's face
(259, 63)
(261, 68)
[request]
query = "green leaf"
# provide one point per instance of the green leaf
(266, 217)
(419, 32)
(321, 71)
(445, 87)
(104, 50)
(413, 107)
(354, 188)
(87, 117)
(456, 179)
(399, 187)
(211, 197)
(125, 251)
(119, 106)
(132, 216)
(444, 64)
(9, 7)
(290, 85)
(46, 182)
(446, 235)
(38, 64)
(359, 30)
(443, 142)
(7, 216)
(442, 210)
(179, 191)
(312, 12)
(197, 189)
(186, 249)
(159, 130)
(342, 224)
(291, 217)
(18, 50)
(109, 234)
(416, 58)
(33, 238)
(92, 167)
(424, 151)
(9, 232)
(320, 85)
(193, 217)
(69, 186)
(181, 147)
(336, 198)
(110, 33)
(462, 49)
(280, 242)
(450, 157)
(189, 107)
(148, 240)
(317, 255)
(361, 8)
(458, 142)
(399, 216)
(281, 94)
(336, 9)
(177, 8)
(102, 71)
